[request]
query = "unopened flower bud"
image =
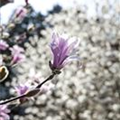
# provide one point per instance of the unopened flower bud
(32, 93)
(17, 54)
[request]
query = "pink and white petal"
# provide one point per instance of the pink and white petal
(55, 38)
(70, 59)
(5, 116)
(72, 46)
(1, 118)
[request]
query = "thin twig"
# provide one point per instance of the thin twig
(49, 78)
(12, 99)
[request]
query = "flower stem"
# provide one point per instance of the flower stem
(12, 99)
(49, 78)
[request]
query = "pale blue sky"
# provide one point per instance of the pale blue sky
(45, 5)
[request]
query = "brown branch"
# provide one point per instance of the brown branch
(25, 95)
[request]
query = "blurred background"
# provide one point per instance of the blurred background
(90, 93)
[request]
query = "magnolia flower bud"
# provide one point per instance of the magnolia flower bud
(63, 49)
(17, 54)
(32, 93)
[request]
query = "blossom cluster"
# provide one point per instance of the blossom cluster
(63, 51)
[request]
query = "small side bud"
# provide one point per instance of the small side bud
(32, 93)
